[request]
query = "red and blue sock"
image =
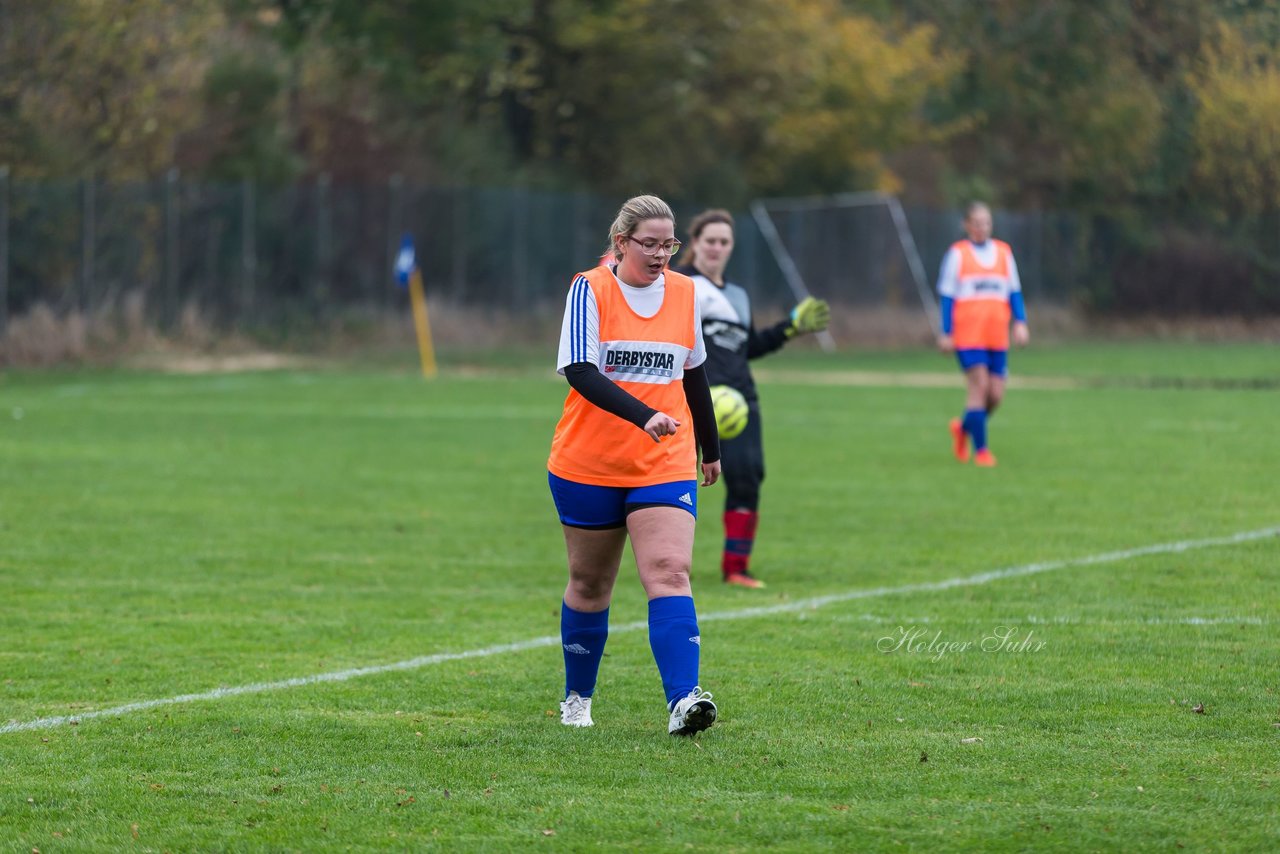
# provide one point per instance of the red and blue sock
(739, 537)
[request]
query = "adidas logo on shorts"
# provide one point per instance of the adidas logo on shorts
(686, 499)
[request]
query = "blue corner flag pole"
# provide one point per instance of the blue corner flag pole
(408, 274)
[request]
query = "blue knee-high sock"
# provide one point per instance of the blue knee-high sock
(975, 424)
(674, 639)
(582, 634)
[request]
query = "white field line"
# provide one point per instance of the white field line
(1144, 621)
(1065, 620)
(739, 614)
(904, 379)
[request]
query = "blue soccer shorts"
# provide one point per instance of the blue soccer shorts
(996, 361)
(583, 505)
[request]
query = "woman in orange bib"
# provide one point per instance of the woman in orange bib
(625, 455)
(980, 294)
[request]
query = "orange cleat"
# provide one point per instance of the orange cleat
(744, 579)
(960, 440)
(985, 458)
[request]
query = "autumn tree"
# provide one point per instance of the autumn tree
(1062, 99)
(97, 87)
(1236, 84)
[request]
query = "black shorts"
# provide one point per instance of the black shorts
(742, 462)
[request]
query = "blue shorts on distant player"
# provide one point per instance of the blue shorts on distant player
(583, 505)
(997, 361)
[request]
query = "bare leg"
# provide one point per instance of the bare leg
(662, 538)
(977, 383)
(594, 558)
(995, 393)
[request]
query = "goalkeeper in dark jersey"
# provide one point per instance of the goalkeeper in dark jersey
(732, 341)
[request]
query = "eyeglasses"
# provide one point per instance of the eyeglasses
(651, 246)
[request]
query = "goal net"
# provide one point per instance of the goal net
(856, 251)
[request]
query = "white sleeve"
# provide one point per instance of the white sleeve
(1015, 284)
(580, 331)
(947, 284)
(698, 354)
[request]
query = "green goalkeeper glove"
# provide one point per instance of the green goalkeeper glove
(811, 315)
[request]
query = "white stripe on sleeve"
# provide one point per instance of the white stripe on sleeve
(580, 330)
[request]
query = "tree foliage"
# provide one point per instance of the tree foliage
(100, 87)
(714, 97)
(1066, 99)
(1085, 104)
(1237, 130)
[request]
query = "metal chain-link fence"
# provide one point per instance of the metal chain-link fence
(248, 256)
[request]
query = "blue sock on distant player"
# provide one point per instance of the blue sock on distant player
(582, 633)
(674, 639)
(975, 424)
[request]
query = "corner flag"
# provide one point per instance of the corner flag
(406, 261)
(407, 274)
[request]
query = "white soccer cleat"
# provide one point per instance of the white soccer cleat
(576, 711)
(693, 713)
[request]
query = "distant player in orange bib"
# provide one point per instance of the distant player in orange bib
(980, 294)
(624, 457)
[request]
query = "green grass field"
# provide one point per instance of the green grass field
(175, 535)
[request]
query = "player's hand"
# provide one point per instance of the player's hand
(1021, 334)
(661, 424)
(811, 315)
(710, 473)
(946, 343)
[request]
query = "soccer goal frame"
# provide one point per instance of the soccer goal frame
(768, 229)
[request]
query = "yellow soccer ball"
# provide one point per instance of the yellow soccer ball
(731, 411)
